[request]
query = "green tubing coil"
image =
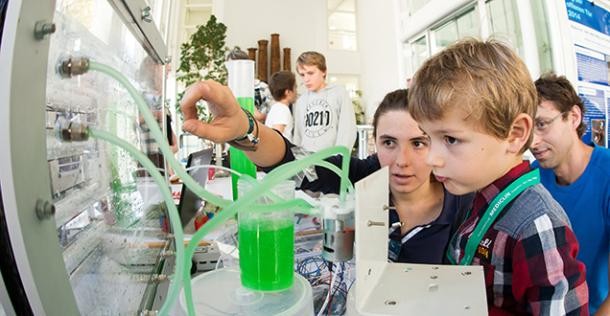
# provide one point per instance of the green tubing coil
(230, 208)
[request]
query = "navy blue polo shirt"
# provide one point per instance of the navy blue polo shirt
(427, 243)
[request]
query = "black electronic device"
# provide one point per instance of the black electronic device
(189, 201)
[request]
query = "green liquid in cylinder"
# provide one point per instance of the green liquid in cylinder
(266, 254)
(238, 160)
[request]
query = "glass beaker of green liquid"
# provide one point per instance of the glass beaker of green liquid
(266, 241)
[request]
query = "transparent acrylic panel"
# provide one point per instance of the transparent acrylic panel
(504, 23)
(107, 209)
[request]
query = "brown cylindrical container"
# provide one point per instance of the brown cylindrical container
(275, 53)
(252, 53)
(286, 63)
(262, 60)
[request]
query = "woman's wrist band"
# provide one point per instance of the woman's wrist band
(249, 141)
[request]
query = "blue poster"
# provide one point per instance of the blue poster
(595, 115)
(592, 66)
(607, 106)
(589, 14)
(591, 35)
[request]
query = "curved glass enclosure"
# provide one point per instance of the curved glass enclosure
(108, 216)
(81, 223)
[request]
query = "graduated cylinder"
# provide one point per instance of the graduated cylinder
(241, 82)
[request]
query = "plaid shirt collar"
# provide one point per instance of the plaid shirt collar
(484, 196)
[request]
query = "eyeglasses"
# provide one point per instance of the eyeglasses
(541, 126)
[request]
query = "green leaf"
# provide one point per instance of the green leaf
(205, 51)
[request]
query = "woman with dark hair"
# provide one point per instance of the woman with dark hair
(423, 214)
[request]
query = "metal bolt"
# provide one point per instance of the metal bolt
(373, 223)
(42, 28)
(147, 14)
(44, 209)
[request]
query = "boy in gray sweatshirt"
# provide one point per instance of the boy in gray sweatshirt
(324, 115)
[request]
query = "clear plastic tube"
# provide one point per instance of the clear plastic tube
(230, 208)
(167, 196)
(158, 134)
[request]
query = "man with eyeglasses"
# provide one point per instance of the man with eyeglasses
(578, 176)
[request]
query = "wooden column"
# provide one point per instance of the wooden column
(262, 60)
(286, 64)
(275, 53)
(252, 53)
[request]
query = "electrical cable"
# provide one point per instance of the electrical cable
(332, 280)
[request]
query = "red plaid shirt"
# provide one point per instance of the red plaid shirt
(528, 255)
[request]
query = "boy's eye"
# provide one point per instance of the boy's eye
(451, 140)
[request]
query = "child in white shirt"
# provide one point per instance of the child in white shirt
(283, 89)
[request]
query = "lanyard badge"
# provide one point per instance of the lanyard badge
(493, 211)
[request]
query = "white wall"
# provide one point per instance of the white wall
(302, 26)
(379, 51)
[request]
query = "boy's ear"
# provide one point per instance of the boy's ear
(519, 133)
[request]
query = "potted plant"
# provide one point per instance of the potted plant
(202, 58)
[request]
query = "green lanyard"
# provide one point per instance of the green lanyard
(493, 210)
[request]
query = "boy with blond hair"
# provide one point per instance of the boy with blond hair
(324, 115)
(476, 101)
